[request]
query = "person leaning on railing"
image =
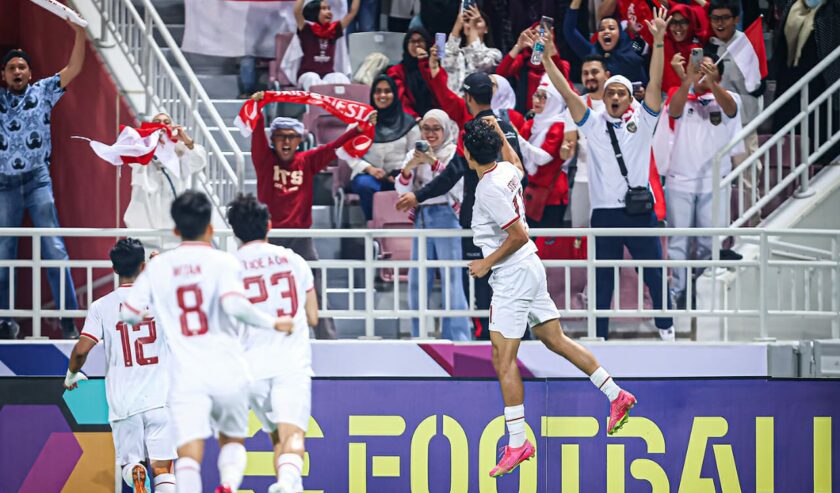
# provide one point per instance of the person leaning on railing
(25, 183)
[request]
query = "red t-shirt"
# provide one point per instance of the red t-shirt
(286, 187)
(318, 53)
(511, 67)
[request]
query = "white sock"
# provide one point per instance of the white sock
(232, 461)
(289, 468)
(601, 379)
(188, 474)
(126, 472)
(515, 421)
(165, 483)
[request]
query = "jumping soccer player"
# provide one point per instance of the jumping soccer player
(278, 281)
(136, 382)
(196, 292)
(520, 296)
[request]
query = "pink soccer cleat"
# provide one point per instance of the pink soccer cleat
(511, 458)
(620, 411)
(223, 488)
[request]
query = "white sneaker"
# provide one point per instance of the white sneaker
(668, 335)
(282, 487)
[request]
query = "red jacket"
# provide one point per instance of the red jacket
(397, 72)
(286, 187)
(545, 173)
(696, 37)
(511, 67)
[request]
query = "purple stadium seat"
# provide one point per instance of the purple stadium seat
(276, 76)
(341, 191)
(386, 216)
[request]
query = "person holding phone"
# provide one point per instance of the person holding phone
(426, 161)
(469, 48)
(687, 31)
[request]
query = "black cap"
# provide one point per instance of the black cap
(16, 53)
(478, 84)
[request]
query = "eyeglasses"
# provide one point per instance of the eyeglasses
(285, 136)
(426, 128)
(416, 41)
(679, 22)
(720, 18)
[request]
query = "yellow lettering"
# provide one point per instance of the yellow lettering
(570, 468)
(642, 469)
(383, 466)
(691, 482)
(764, 455)
(822, 454)
(569, 427)
(459, 455)
(494, 430)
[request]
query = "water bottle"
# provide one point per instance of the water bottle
(539, 48)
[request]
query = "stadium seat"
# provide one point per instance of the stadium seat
(323, 125)
(386, 216)
(277, 78)
(341, 191)
(363, 44)
(352, 92)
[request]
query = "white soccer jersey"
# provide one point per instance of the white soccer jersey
(499, 204)
(184, 287)
(276, 281)
(136, 378)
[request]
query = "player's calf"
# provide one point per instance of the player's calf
(232, 461)
(164, 479)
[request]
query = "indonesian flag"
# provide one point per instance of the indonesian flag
(748, 52)
(133, 145)
(346, 111)
(62, 11)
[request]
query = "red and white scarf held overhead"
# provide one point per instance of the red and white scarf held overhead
(345, 110)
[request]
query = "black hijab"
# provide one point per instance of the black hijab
(423, 98)
(392, 122)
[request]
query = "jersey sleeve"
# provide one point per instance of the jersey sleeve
(93, 329)
(307, 278)
(134, 307)
(505, 210)
(230, 279)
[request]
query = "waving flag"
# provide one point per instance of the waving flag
(748, 52)
(133, 145)
(346, 111)
(62, 11)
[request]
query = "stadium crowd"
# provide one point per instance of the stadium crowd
(585, 95)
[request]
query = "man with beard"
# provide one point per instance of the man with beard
(25, 183)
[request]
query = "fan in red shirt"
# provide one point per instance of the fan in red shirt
(318, 34)
(520, 56)
(284, 182)
(689, 28)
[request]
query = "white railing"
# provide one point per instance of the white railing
(796, 277)
(164, 91)
(805, 146)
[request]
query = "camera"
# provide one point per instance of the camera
(422, 146)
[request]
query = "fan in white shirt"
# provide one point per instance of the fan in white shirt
(197, 294)
(136, 379)
(520, 293)
(278, 281)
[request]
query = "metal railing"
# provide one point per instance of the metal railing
(165, 92)
(796, 276)
(805, 146)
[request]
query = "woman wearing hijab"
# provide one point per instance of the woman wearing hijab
(550, 138)
(414, 94)
(318, 34)
(469, 48)
(613, 44)
(396, 133)
(441, 134)
(504, 101)
(689, 28)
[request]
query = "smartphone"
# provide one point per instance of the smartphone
(636, 86)
(440, 42)
(546, 23)
(466, 4)
(697, 56)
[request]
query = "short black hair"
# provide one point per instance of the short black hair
(312, 11)
(733, 7)
(15, 53)
(191, 212)
(595, 57)
(710, 51)
(248, 217)
(482, 99)
(482, 140)
(127, 256)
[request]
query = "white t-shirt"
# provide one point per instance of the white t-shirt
(634, 132)
(499, 204)
(184, 287)
(582, 173)
(136, 378)
(699, 133)
(276, 281)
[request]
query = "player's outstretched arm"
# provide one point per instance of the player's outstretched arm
(311, 308)
(77, 360)
(238, 307)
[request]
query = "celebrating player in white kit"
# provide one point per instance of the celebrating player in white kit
(197, 295)
(520, 295)
(136, 381)
(278, 282)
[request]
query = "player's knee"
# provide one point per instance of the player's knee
(291, 439)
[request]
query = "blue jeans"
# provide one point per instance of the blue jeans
(367, 20)
(365, 185)
(32, 192)
(612, 248)
(440, 217)
(248, 75)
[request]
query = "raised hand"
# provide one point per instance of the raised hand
(258, 96)
(659, 25)
(678, 64)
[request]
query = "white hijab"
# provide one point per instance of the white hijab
(555, 105)
(504, 98)
(446, 149)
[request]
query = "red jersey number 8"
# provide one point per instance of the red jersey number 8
(192, 305)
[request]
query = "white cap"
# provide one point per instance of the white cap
(620, 79)
(284, 123)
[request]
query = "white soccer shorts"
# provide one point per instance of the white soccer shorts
(283, 399)
(146, 434)
(520, 298)
(196, 415)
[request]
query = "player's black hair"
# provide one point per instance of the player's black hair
(127, 256)
(248, 217)
(733, 7)
(482, 140)
(595, 57)
(191, 212)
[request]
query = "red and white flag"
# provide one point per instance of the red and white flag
(748, 52)
(133, 145)
(345, 110)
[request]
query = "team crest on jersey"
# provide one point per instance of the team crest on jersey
(631, 127)
(715, 117)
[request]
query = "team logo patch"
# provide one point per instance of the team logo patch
(715, 117)
(631, 127)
